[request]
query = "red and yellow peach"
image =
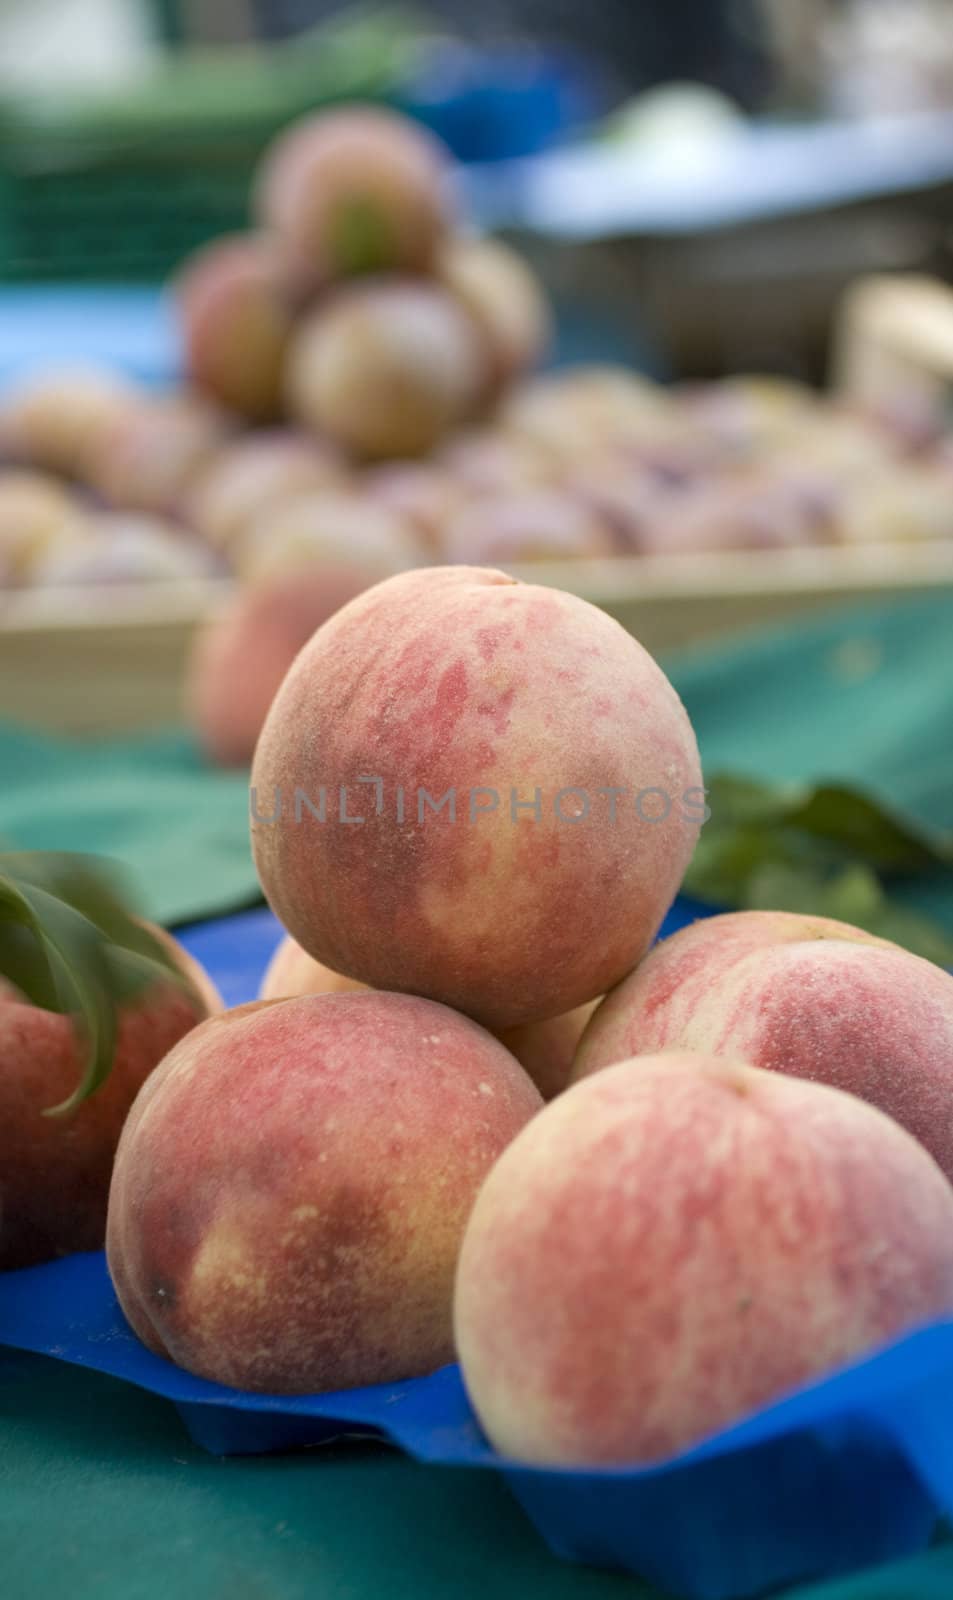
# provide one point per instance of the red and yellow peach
(681, 1240)
(292, 1186)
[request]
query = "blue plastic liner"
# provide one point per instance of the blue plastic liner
(851, 1472)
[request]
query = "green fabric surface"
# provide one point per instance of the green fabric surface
(101, 1493)
(104, 1497)
(180, 826)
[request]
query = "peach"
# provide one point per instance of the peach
(538, 524)
(528, 782)
(421, 493)
(55, 1171)
(681, 1240)
(749, 413)
(750, 512)
(127, 548)
(505, 300)
(236, 310)
(901, 502)
(386, 369)
(38, 518)
(486, 461)
(571, 413)
(626, 496)
(327, 525)
(240, 656)
(150, 459)
(54, 419)
(293, 1183)
(356, 190)
(252, 476)
(292, 972)
(802, 995)
(546, 1050)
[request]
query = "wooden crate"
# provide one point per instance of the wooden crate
(116, 664)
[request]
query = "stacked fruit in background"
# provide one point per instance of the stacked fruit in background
(357, 378)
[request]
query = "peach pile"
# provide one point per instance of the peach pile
(678, 1241)
(801, 995)
(55, 1171)
(292, 1185)
(513, 752)
(545, 1050)
(437, 327)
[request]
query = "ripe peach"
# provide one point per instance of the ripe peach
(126, 548)
(584, 409)
(292, 972)
(252, 476)
(292, 1186)
(749, 413)
(150, 459)
(486, 461)
(546, 1050)
(236, 310)
(568, 773)
(421, 493)
(626, 496)
(505, 300)
(55, 1171)
(386, 368)
(536, 525)
(38, 518)
(327, 526)
(54, 419)
(681, 1240)
(240, 657)
(802, 995)
(356, 190)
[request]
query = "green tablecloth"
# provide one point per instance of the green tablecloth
(101, 1493)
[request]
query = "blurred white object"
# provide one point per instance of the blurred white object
(48, 43)
(889, 57)
(677, 116)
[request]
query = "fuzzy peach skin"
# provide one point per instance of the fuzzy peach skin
(291, 972)
(462, 679)
(236, 312)
(545, 1050)
(681, 1240)
(55, 1171)
(802, 995)
(356, 190)
(239, 658)
(292, 1186)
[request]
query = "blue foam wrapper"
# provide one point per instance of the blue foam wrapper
(848, 1473)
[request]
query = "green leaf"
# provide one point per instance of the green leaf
(70, 943)
(829, 851)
